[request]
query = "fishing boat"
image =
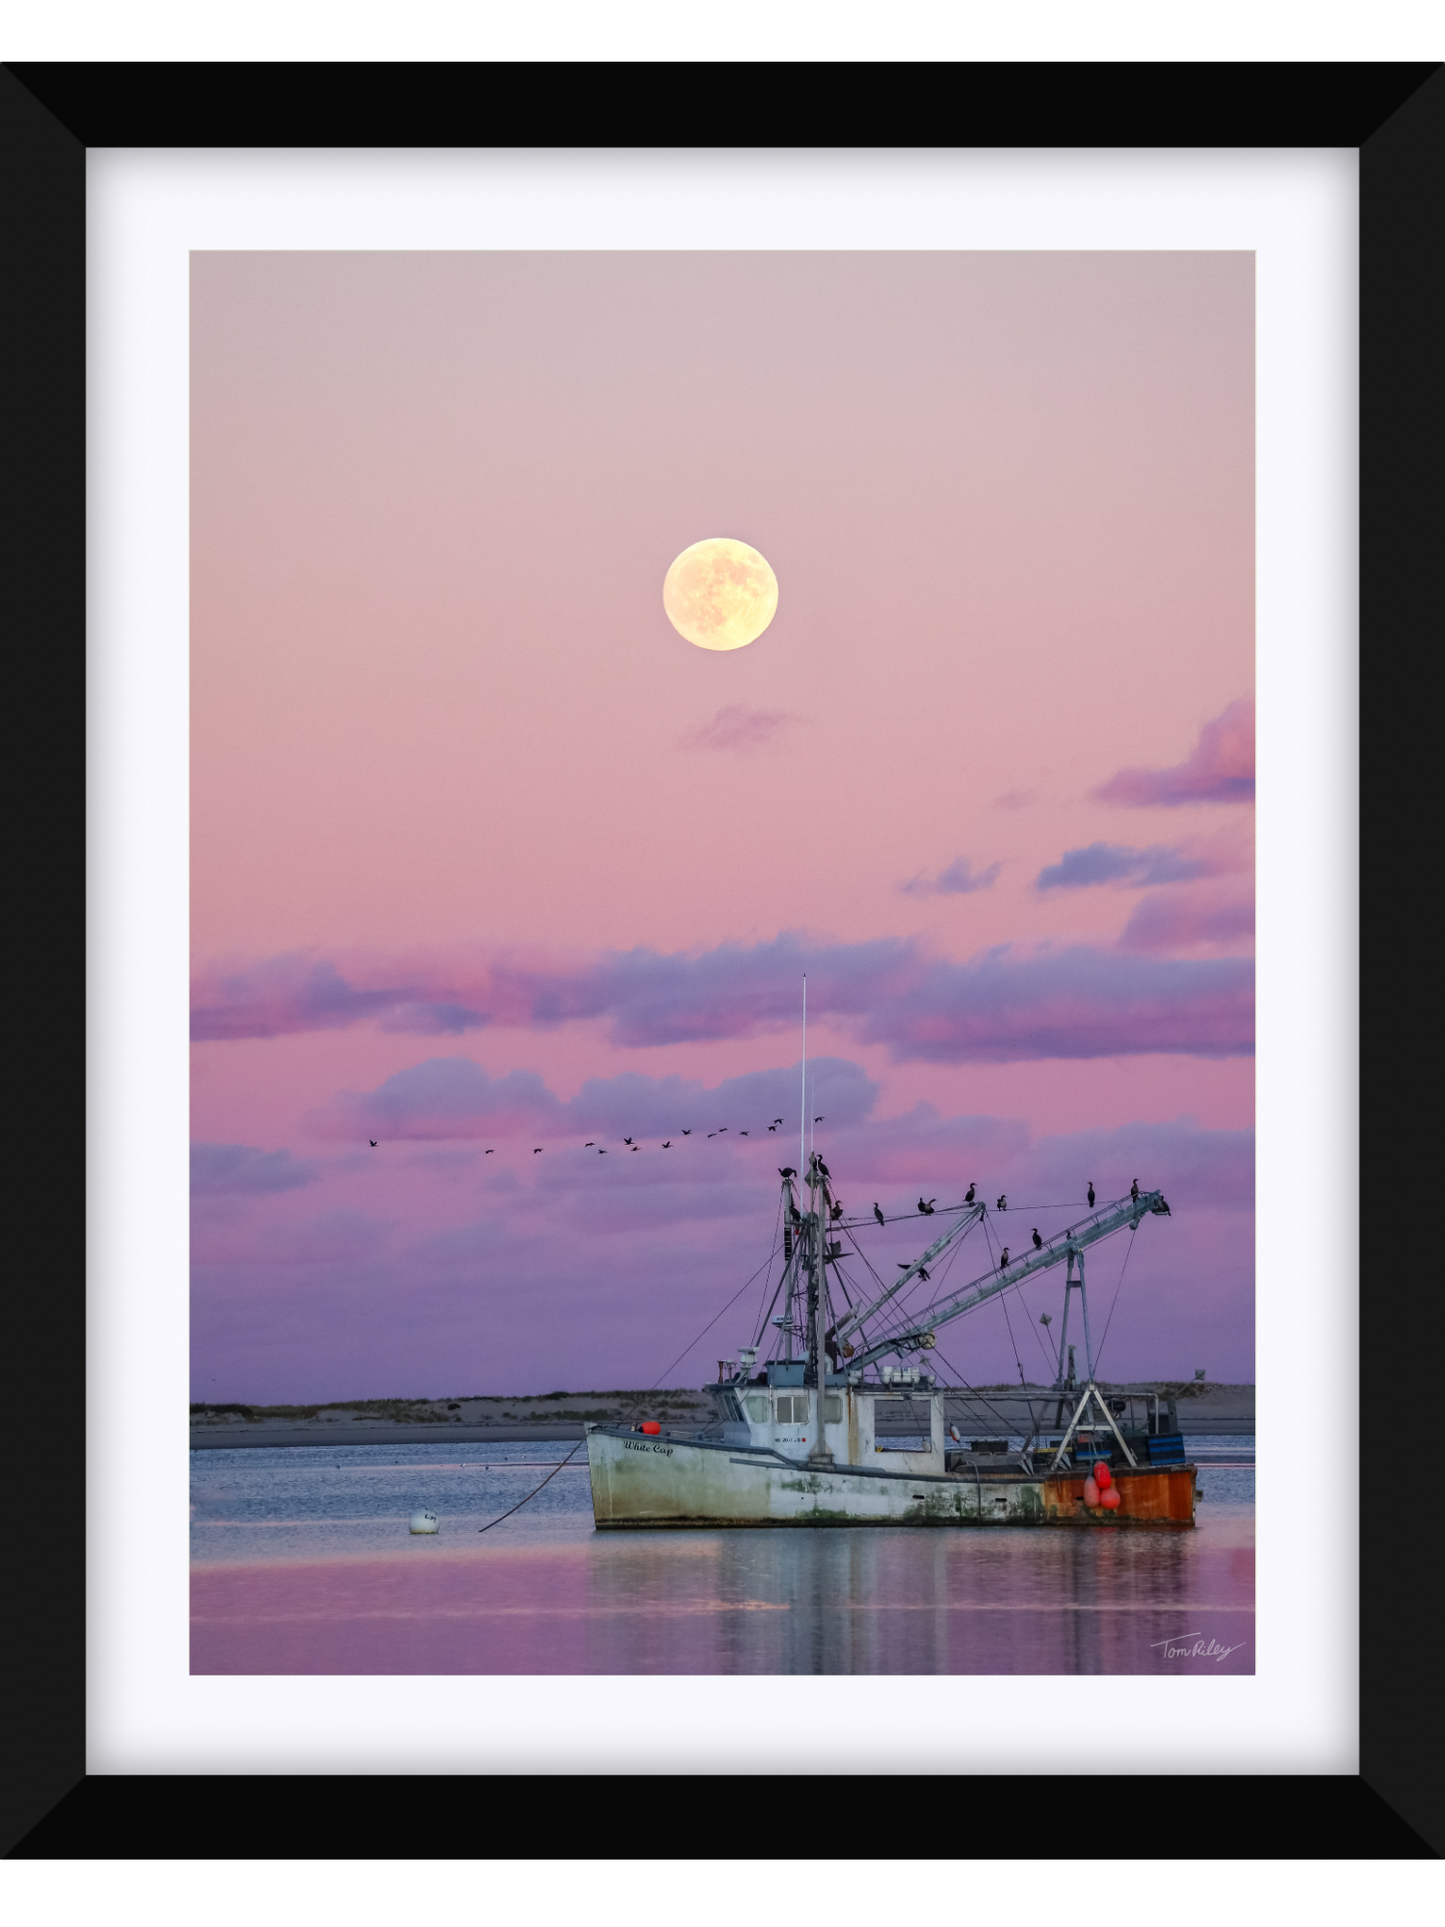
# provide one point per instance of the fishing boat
(825, 1432)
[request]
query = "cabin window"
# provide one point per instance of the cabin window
(758, 1409)
(902, 1425)
(792, 1410)
(832, 1409)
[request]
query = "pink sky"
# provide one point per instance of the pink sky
(449, 754)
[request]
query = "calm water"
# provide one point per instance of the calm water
(302, 1563)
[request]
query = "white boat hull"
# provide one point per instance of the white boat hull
(640, 1481)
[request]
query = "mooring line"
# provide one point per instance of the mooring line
(536, 1489)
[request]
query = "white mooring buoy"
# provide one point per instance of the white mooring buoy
(424, 1522)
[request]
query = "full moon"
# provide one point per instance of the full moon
(720, 594)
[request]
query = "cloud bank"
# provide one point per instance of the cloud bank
(1219, 769)
(1004, 1005)
(240, 1170)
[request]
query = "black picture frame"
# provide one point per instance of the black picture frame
(1394, 114)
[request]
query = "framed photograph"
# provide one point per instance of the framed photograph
(683, 721)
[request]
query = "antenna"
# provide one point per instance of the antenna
(803, 1113)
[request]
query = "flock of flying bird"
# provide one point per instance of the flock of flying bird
(926, 1206)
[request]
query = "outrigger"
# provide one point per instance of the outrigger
(816, 1440)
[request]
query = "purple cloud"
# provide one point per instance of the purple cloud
(734, 727)
(1179, 919)
(1076, 1002)
(1219, 769)
(959, 879)
(583, 1271)
(1118, 863)
(453, 1097)
(1001, 1006)
(240, 1170)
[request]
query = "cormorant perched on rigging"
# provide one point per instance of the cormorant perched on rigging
(1134, 1190)
(968, 1194)
(1091, 1193)
(922, 1272)
(786, 1171)
(837, 1210)
(1003, 1258)
(1002, 1204)
(1038, 1241)
(926, 1206)
(878, 1214)
(824, 1169)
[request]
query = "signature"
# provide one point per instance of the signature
(1195, 1646)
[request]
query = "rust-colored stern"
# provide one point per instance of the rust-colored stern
(1152, 1495)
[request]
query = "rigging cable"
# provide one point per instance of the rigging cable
(777, 1222)
(1117, 1289)
(711, 1322)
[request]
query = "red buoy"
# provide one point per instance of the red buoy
(1091, 1492)
(651, 1425)
(1113, 1498)
(1103, 1477)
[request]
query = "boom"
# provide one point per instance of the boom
(1056, 1250)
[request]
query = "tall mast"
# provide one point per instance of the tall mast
(803, 1099)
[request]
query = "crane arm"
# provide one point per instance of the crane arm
(856, 1317)
(1056, 1251)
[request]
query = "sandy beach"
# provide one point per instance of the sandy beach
(1204, 1410)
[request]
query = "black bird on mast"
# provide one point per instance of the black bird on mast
(837, 1210)
(878, 1214)
(1003, 1260)
(925, 1205)
(1002, 1204)
(1134, 1190)
(1038, 1241)
(968, 1194)
(1091, 1193)
(786, 1171)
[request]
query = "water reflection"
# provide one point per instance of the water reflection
(304, 1569)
